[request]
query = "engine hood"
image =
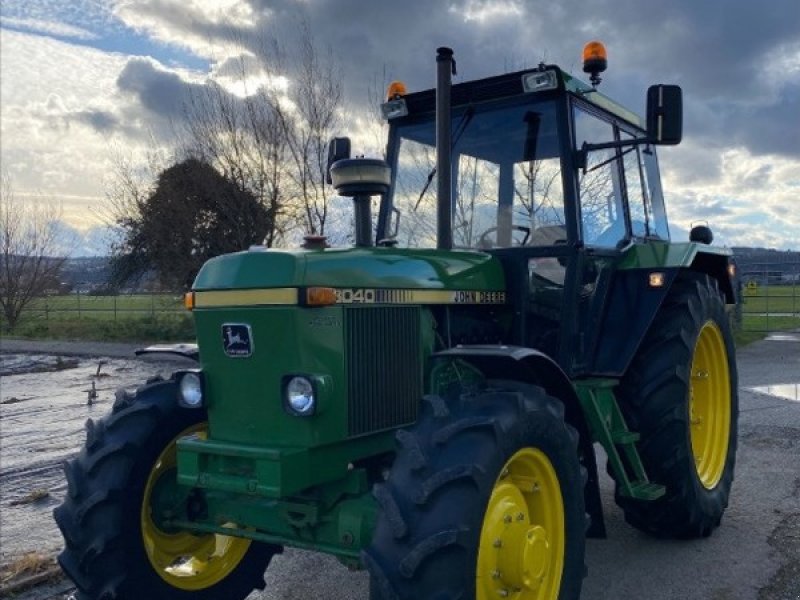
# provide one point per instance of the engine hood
(390, 268)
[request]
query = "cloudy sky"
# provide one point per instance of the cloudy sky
(84, 80)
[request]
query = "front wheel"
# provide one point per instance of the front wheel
(680, 394)
(484, 500)
(114, 546)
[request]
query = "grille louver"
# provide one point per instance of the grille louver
(384, 367)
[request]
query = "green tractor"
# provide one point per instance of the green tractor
(425, 404)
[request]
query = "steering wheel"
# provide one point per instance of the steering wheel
(483, 242)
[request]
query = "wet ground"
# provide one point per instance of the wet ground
(44, 403)
(754, 555)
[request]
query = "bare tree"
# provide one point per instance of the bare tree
(269, 138)
(244, 139)
(271, 141)
(309, 123)
(31, 255)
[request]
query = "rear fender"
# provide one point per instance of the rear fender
(716, 266)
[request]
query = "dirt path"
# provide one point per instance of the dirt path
(67, 348)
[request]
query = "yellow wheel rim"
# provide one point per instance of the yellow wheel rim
(184, 560)
(521, 553)
(710, 405)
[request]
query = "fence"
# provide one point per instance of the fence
(770, 301)
(770, 296)
(87, 306)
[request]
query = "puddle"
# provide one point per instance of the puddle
(787, 391)
(783, 337)
(43, 408)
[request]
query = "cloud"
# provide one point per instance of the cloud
(208, 28)
(100, 120)
(78, 19)
(160, 91)
(60, 118)
(739, 65)
(752, 201)
(48, 28)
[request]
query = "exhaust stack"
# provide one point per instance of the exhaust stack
(445, 67)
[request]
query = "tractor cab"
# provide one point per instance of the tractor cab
(545, 173)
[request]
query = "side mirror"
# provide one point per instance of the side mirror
(664, 114)
(338, 149)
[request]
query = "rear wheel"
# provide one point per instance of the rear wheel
(114, 546)
(484, 500)
(681, 395)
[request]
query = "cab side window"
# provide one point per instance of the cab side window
(652, 183)
(600, 185)
(639, 205)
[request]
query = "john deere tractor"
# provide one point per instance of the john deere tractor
(425, 404)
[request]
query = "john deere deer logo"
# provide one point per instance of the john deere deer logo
(237, 340)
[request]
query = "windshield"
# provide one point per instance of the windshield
(507, 186)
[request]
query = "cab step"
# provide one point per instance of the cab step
(608, 427)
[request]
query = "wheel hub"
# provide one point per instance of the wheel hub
(522, 540)
(185, 561)
(709, 405)
(526, 558)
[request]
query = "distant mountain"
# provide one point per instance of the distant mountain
(767, 259)
(95, 241)
(86, 273)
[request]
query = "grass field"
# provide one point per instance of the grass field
(141, 303)
(772, 299)
(161, 317)
(756, 327)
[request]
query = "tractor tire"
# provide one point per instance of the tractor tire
(484, 499)
(113, 549)
(681, 395)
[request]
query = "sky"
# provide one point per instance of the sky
(86, 81)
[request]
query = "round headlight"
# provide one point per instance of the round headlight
(300, 395)
(191, 390)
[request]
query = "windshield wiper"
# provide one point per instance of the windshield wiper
(460, 128)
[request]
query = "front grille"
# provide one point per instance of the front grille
(384, 367)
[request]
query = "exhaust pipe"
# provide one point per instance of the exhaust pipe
(445, 67)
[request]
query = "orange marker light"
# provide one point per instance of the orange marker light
(320, 296)
(395, 90)
(656, 280)
(188, 300)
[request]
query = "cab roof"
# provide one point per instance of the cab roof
(509, 85)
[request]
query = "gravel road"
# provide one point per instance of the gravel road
(754, 555)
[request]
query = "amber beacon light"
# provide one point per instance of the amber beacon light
(396, 90)
(595, 61)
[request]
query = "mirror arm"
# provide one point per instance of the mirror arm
(617, 144)
(582, 154)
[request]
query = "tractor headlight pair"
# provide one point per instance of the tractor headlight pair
(299, 392)
(190, 389)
